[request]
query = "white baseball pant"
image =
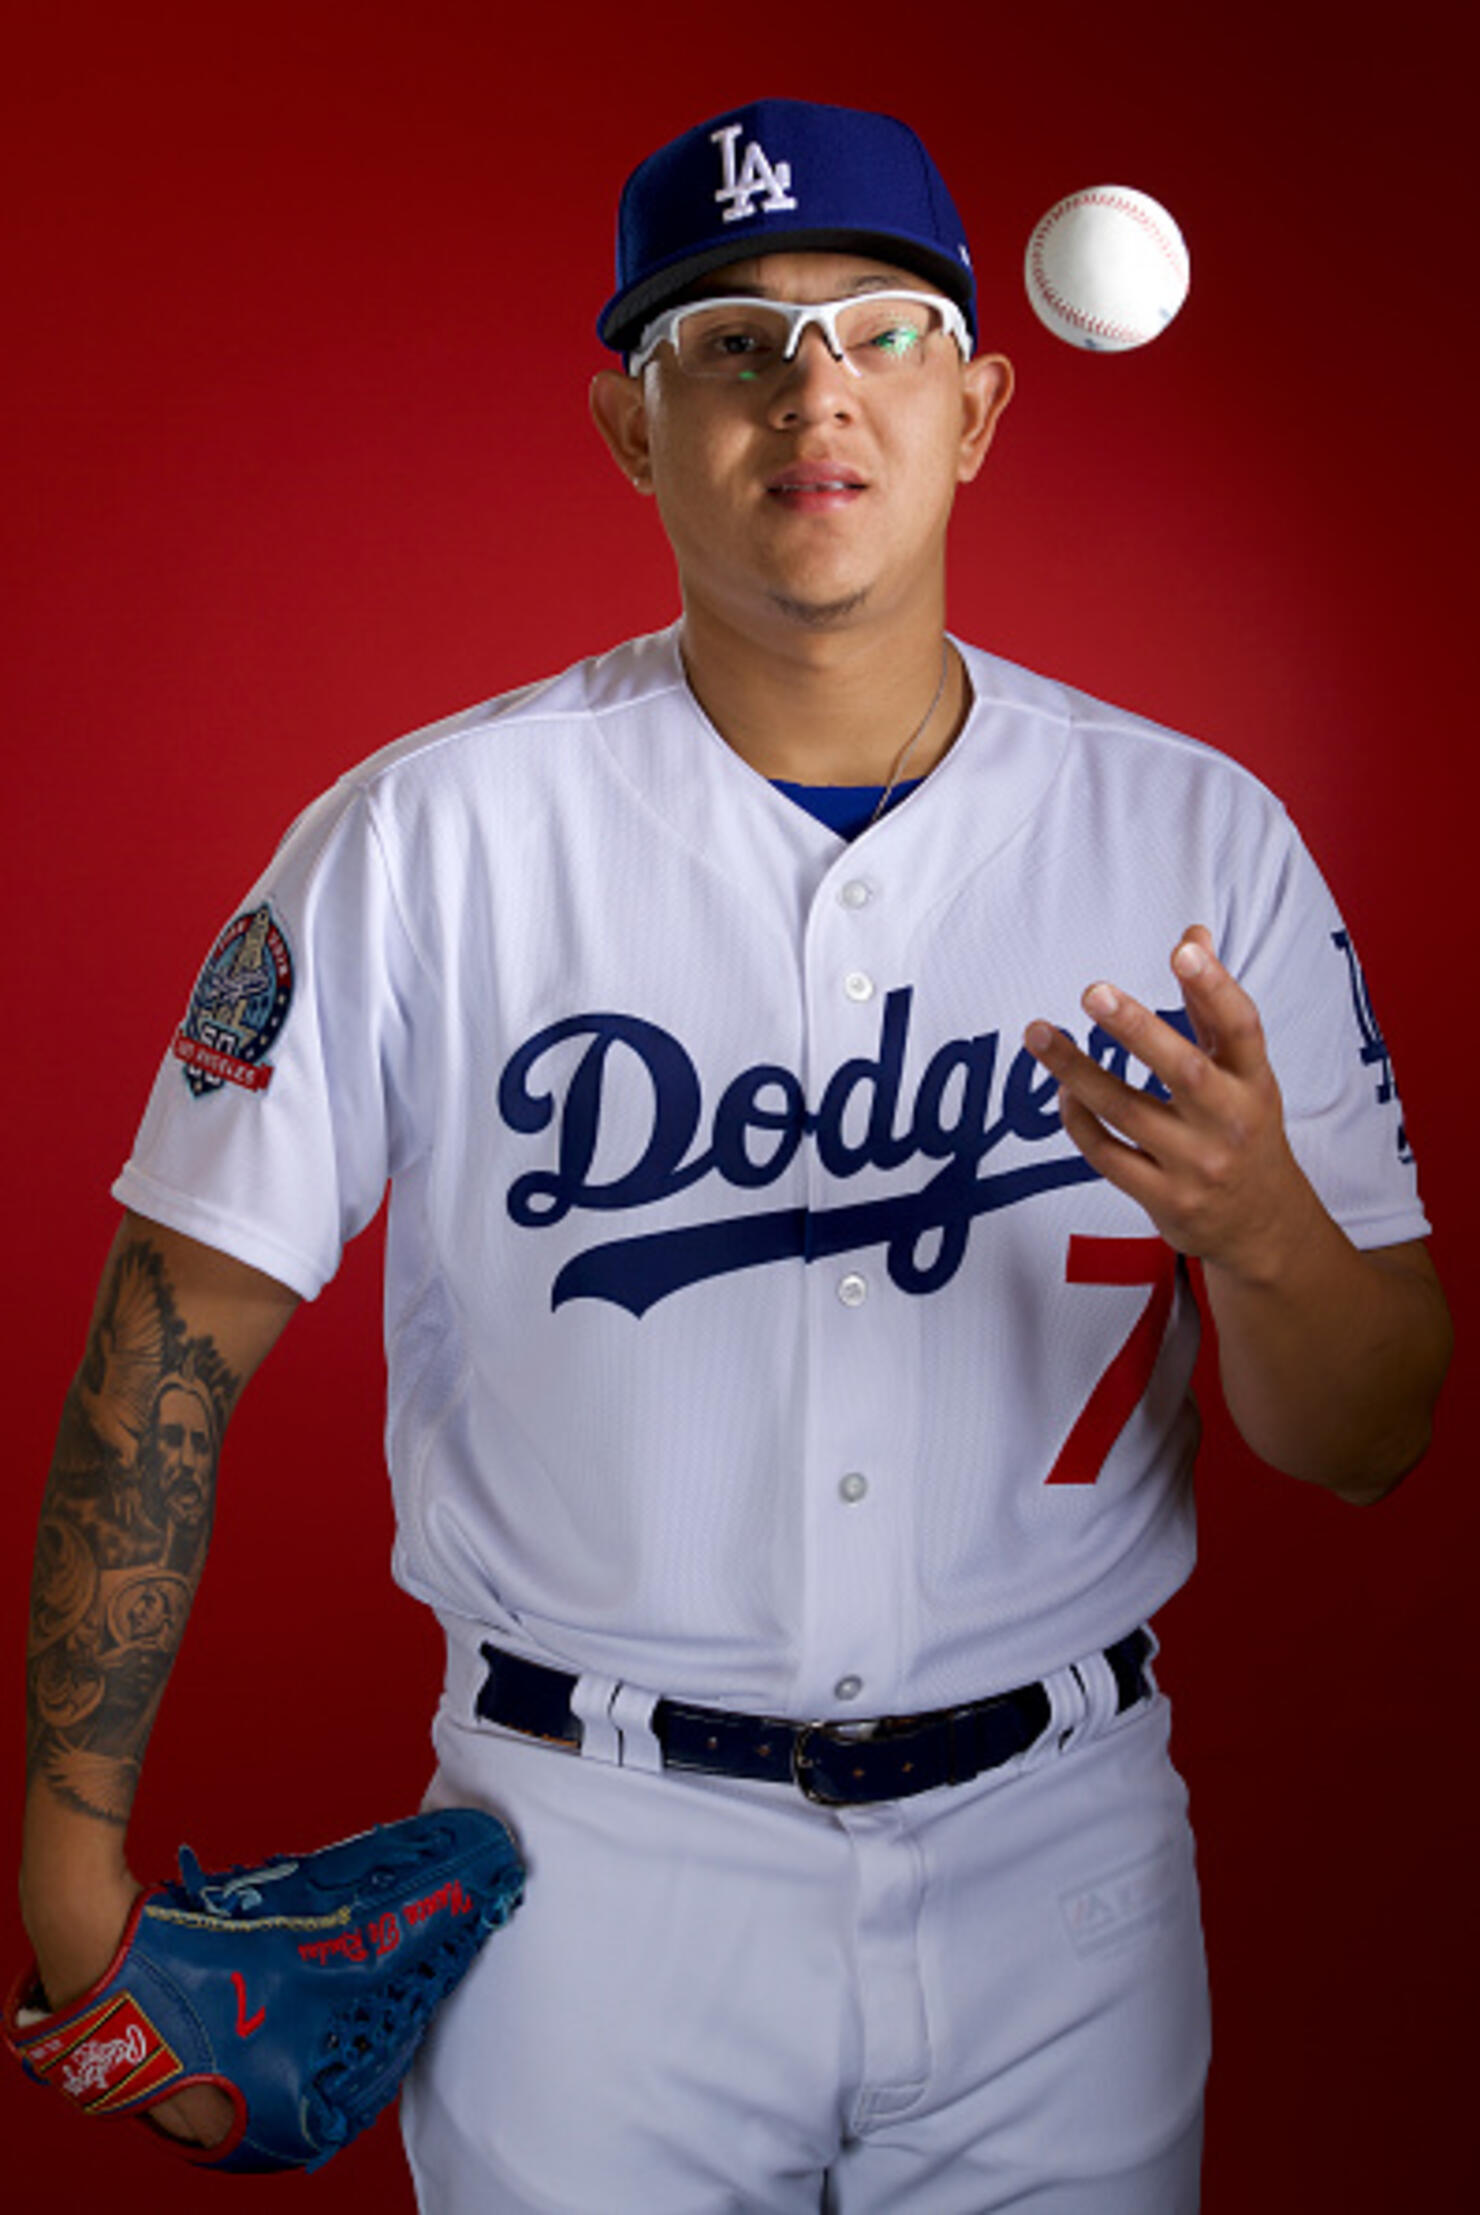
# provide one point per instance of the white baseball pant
(719, 1999)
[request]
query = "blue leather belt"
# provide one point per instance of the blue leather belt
(836, 1764)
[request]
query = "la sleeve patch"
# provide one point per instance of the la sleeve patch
(238, 1008)
(1374, 1050)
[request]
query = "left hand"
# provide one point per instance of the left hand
(1212, 1165)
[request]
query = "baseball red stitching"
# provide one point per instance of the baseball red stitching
(1096, 326)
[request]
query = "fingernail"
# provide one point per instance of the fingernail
(1100, 1000)
(1037, 1037)
(1189, 960)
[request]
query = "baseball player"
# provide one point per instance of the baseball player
(806, 1053)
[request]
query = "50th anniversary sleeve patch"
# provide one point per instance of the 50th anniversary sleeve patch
(239, 1006)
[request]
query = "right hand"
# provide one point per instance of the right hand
(76, 1940)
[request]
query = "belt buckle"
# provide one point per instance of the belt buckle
(837, 1734)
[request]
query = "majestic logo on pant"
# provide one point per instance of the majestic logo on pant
(755, 175)
(966, 1105)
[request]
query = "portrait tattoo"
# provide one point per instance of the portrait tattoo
(125, 1522)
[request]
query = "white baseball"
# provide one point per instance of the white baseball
(1107, 269)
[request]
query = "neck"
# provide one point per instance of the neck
(828, 707)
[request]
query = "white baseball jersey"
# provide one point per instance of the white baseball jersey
(755, 1333)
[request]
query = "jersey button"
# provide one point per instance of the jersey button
(858, 986)
(855, 893)
(853, 1487)
(848, 1688)
(853, 1290)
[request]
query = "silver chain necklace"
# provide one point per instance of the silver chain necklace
(913, 741)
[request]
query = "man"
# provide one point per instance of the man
(788, 1331)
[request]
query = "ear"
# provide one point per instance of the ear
(619, 412)
(986, 388)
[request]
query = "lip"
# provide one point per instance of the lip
(815, 485)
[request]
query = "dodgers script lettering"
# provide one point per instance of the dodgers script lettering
(970, 1101)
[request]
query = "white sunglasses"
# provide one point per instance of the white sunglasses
(735, 340)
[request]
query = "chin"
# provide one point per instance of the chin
(819, 613)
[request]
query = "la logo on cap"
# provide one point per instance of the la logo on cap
(756, 174)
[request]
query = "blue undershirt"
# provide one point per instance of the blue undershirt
(844, 808)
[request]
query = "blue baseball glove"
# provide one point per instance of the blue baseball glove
(300, 1989)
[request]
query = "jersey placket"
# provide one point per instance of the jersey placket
(856, 1521)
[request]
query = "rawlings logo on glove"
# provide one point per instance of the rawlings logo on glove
(90, 2072)
(344, 1954)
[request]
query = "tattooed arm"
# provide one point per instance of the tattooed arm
(125, 1520)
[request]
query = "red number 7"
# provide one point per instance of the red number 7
(1113, 1401)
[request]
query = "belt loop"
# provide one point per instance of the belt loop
(1102, 1693)
(632, 1715)
(591, 1704)
(1068, 1706)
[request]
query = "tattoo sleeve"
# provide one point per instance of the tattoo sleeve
(125, 1521)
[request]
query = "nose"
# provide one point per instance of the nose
(814, 385)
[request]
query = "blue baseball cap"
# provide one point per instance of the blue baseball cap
(781, 176)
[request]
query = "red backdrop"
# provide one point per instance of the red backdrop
(297, 458)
